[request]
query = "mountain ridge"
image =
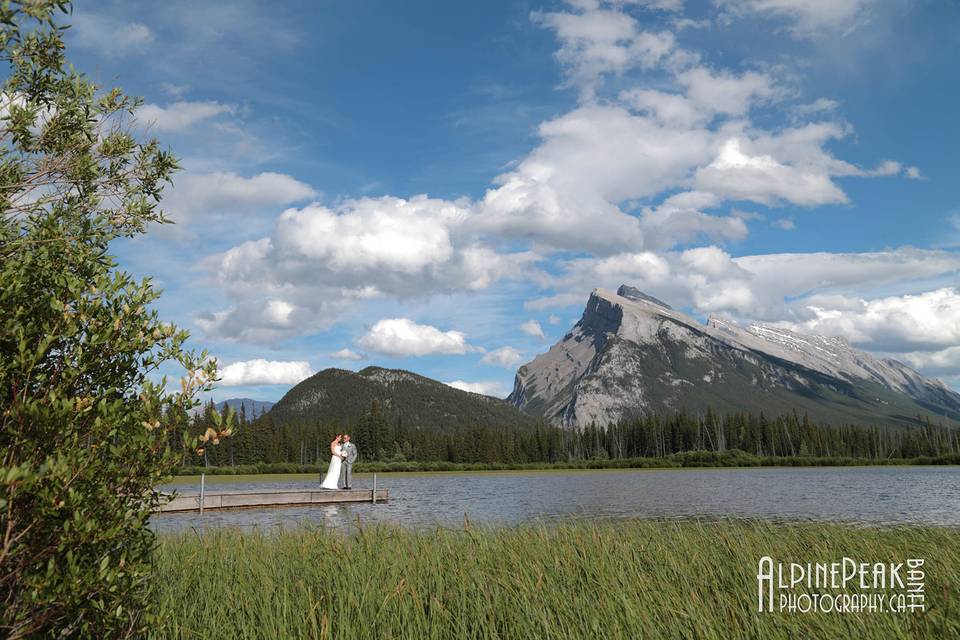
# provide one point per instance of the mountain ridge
(344, 396)
(633, 354)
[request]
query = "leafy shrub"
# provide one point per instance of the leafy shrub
(86, 429)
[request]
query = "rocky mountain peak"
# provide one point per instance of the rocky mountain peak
(632, 293)
(601, 315)
(630, 353)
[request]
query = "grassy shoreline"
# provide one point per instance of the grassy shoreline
(691, 459)
(638, 578)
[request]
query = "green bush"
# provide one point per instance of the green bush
(86, 428)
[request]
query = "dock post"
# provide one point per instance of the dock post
(203, 486)
(374, 488)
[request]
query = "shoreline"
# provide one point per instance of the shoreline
(688, 460)
(226, 478)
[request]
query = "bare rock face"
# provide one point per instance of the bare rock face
(633, 354)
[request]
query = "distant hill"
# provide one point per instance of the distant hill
(341, 396)
(631, 354)
(252, 408)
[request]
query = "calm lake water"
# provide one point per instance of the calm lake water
(868, 495)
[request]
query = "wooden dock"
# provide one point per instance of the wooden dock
(244, 500)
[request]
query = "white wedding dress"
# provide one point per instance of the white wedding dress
(332, 478)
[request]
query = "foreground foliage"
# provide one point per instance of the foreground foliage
(86, 429)
(613, 580)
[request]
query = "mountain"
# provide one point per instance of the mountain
(252, 408)
(631, 354)
(337, 395)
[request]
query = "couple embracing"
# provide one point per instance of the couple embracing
(340, 472)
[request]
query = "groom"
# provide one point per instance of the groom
(349, 452)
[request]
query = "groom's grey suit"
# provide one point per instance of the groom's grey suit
(346, 469)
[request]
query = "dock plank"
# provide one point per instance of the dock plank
(245, 500)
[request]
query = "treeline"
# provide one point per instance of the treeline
(259, 440)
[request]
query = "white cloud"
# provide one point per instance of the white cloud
(620, 183)
(691, 134)
(596, 41)
(533, 328)
(506, 357)
(787, 224)
(180, 115)
(401, 337)
(325, 259)
(945, 362)
(913, 173)
(672, 109)
(494, 389)
(347, 354)
(225, 192)
(553, 319)
(707, 279)
(926, 321)
(108, 36)
(565, 193)
(724, 92)
(764, 179)
(255, 320)
(673, 222)
(259, 371)
(805, 17)
(373, 234)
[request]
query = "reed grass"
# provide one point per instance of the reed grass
(634, 579)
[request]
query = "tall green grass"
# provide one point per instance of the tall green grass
(635, 579)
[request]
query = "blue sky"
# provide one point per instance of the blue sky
(438, 186)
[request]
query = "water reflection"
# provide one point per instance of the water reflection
(872, 495)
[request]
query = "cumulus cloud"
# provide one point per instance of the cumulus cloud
(259, 371)
(926, 321)
(725, 92)
(401, 338)
(764, 179)
(506, 357)
(324, 259)
(180, 115)
(612, 192)
(692, 133)
(945, 362)
(532, 328)
(597, 41)
(494, 389)
(708, 279)
(347, 354)
(566, 192)
(196, 195)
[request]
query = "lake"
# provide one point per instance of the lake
(865, 495)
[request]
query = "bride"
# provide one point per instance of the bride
(332, 478)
